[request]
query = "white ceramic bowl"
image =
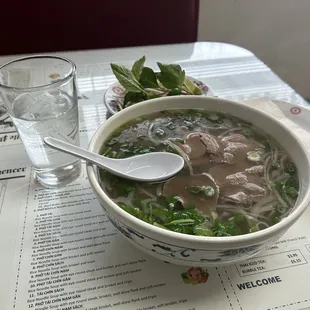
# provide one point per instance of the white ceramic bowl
(197, 250)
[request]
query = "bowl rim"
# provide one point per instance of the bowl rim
(250, 238)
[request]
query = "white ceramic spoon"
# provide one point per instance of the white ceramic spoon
(155, 166)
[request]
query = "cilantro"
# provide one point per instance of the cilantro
(198, 190)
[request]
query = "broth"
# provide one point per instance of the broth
(236, 179)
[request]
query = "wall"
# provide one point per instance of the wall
(277, 31)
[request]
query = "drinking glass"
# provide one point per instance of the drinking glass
(40, 95)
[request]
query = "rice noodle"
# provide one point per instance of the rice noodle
(256, 209)
(262, 223)
(281, 209)
(126, 200)
(282, 178)
(246, 207)
(183, 154)
(159, 189)
(283, 158)
(214, 215)
(142, 190)
(288, 200)
(269, 207)
(281, 200)
(149, 133)
(223, 134)
(234, 208)
(145, 202)
(266, 171)
(275, 155)
(253, 216)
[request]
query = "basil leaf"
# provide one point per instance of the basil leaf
(148, 78)
(137, 67)
(171, 76)
(132, 98)
(126, 78)
(191, 87)
(154, 93)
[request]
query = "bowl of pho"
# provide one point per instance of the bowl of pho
(244, 182)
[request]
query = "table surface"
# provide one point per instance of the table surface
(230, 71)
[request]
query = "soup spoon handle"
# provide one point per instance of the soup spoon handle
(154, 166)
(76, 151)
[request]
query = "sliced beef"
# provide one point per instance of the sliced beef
(241, 198)
(229, 158)
(259, 169)
(211, 143)
(220, 172)
(233, 138)
(238, 178)
(254, 189)
(235, 147)
(184, 147)
(198, 149)
(178, 186)
(238, 198)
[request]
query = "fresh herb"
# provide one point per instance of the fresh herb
(138, 67)
(160, 226)
(203, 230)
(198, 190)
(133, 211)
(253, 229)
(142, 83)
(130, 150)
(171, 76)
(188, 221)
(132, 97)
(279, 186)
(216, 118)
(174, 202)
(275, 166)
(178, 140)
(293, 182)
(124, 187)
(225, 229)
(127, 79)
(181, 222)
(291, 191)
(276, 220)
(287, 187)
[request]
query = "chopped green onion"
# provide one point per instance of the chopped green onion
(290, 169)
(197, 190)
(181, 222)
(291, 191)
(159, 225)
(275, 166)
(202, 230)
(253, 229)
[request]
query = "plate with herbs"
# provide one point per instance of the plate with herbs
(142, 83)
